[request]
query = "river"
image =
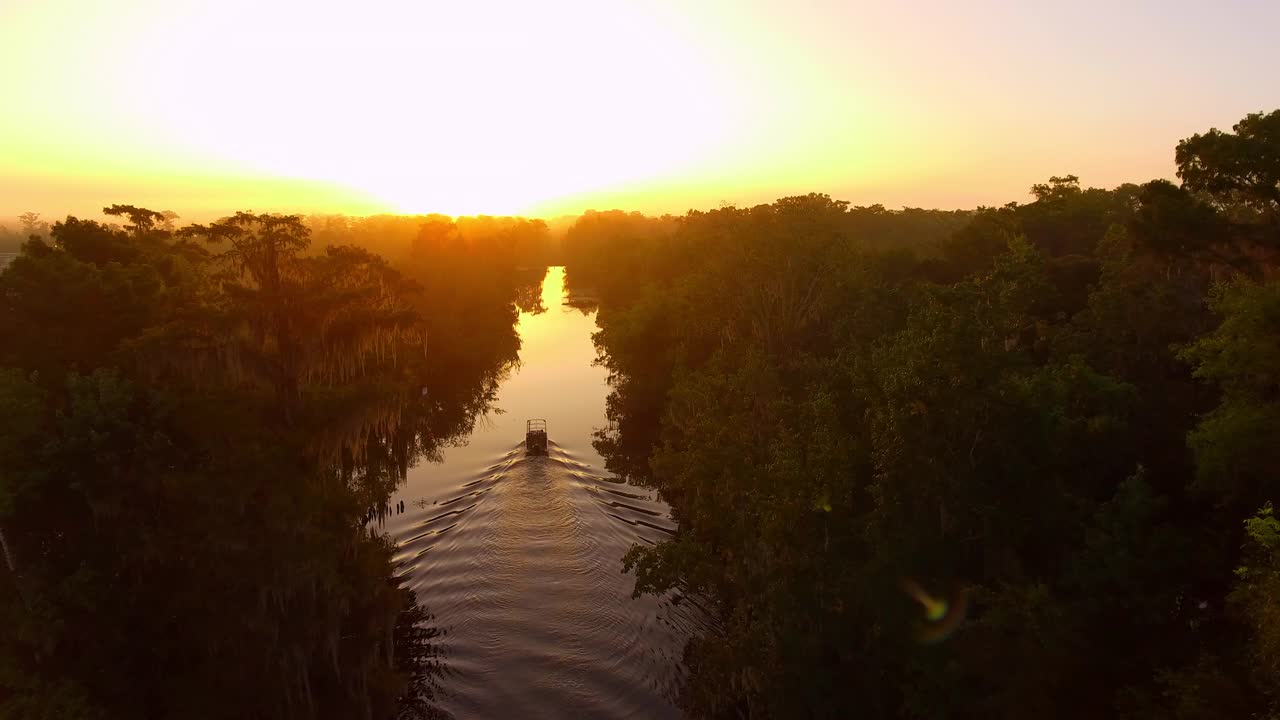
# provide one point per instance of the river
(519, 557)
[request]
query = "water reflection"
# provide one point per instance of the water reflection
(519, 556)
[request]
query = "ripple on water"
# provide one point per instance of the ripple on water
(519, 557)
(521, 564)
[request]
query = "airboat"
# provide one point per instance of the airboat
(535, 436)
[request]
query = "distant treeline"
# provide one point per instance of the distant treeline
(200, 428)
(521, 241)
(524, 241)
(23, 228)
(1019, 462)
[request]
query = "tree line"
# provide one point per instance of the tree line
(200, 430)
(1013, 462)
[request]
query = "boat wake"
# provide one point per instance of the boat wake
(520, 562)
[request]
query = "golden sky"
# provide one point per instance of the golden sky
(554, 106)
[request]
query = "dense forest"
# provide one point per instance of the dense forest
(200, 428)
(1015, 462)
(1007, 462)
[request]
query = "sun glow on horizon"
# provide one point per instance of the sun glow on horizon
(428, 107)
(445, 107)
(503, 107)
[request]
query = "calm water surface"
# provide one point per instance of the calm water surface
(519, 557)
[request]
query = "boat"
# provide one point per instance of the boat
(535, 436)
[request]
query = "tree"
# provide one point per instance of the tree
(1172, 222)
(92, 242)
(1240, 174)
(1003, 429)
(31, 225)
(228, 555)
(263, 256)
(141, 220)
(1255, 598)
(1237, 445)
(1242, 167)
(1058, 189)
(1068, 220)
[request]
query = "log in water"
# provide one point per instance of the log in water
(519, 556)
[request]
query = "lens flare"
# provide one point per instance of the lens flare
(942, 616)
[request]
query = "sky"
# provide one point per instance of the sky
(550, 107)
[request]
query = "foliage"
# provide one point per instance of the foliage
(1239, 168)
(952, 478)
(195, 429)
(1237, 445)
(1255, 598)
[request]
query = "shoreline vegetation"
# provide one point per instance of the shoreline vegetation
(197, 425)
(1017, 462)
(1007, 462)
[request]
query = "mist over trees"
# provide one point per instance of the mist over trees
(523, 242)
